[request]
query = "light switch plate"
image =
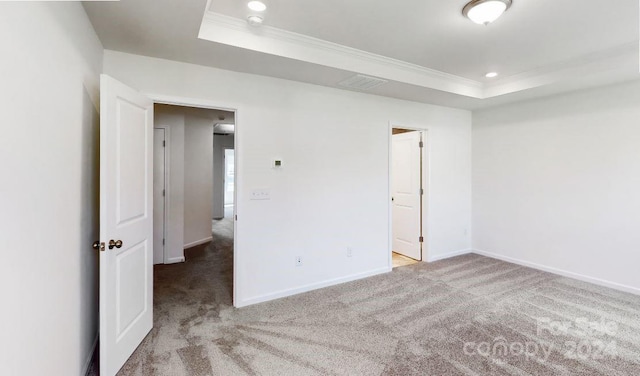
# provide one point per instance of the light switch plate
(261, 194)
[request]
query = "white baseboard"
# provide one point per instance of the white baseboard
(564, 273)
(87, 363)
(449, 255)
(175, 260)
(309, 287)
(198, 242)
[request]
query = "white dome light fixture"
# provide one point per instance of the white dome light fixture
(484, 12)
(491, 75)
(257, 6)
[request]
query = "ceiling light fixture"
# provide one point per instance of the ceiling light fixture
(254, 20)
(257, 6)
(484, 12)
(491, 75)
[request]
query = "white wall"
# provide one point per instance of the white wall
(198, 180)
(333, 189)
(174, 121)
(219, 144)
(51, 59)
(556, 184)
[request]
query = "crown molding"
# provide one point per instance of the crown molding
(220, 28)
(616, 60)
(228, 30)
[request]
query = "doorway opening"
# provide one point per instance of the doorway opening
(193, 198)
(223, 170)
(229, 172)
(408, 188)
(171, 139)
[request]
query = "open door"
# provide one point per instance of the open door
(159, 145)
(126, 222)
(406, 194)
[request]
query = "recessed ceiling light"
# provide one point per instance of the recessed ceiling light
(254, 20)
(491, 75)
(484, 12)
(257, 6)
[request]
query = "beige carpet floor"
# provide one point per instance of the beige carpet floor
(469, 315)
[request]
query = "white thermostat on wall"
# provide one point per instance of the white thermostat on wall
(277, 163)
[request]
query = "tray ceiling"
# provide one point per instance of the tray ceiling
(426, 50)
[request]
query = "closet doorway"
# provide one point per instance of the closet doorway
(407, 195)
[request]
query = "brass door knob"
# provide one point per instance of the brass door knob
(116, 243)
(98, 245)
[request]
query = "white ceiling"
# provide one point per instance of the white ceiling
(434, 34)
(426, 49)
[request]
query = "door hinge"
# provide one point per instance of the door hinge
(421, 239)
(163, 193)
(164, 143)
(421, 191)
(421, 144)
(162, 241)
(235, 217)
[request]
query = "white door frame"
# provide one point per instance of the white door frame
(167, 182)
(202, 103)
(425, 185)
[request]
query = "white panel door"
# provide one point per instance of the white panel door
(126, 222)
(158, 194)
(405, 192)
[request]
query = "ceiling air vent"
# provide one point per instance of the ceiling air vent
(361, 82)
